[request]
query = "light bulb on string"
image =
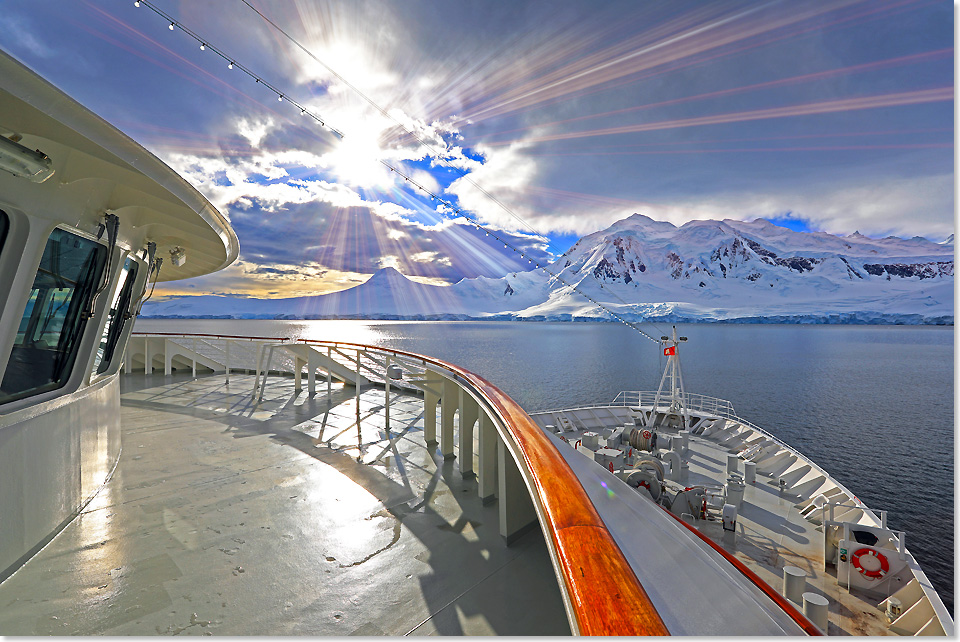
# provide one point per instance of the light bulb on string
(203, 46)
(172, 25)
(230, 66)
(136, 3)
(279, 98)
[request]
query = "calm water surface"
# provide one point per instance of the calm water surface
(874, 405)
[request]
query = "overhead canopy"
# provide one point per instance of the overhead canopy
(99, 169)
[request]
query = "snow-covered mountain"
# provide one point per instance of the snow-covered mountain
(650, 270)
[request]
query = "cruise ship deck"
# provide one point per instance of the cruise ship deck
(229, 517)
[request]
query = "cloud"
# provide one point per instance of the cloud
(898, 206)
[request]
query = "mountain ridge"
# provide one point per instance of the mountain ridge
(643, 269)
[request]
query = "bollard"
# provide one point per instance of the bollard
(816, 607)
(794, 581)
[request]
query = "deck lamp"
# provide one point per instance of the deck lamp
(33, 165)
(178, 256)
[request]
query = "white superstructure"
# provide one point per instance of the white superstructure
(88, 220)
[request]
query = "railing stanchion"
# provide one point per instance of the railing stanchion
(386, 397)
(256, 379)
(449, 400)
(468, 416)
(329, 373)
(430, 399)
(487, 475)
(226, 361)
(357, 399)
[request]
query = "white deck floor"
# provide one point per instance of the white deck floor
(228, 518)
(771, 534)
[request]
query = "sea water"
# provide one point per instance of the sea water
(873, 405)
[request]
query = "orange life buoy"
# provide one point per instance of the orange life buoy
(875, 573)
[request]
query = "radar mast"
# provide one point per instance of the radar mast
(674, 394)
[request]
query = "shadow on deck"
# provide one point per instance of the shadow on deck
(233, 518)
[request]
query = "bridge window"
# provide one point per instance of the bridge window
(50, 330)
(117, 319)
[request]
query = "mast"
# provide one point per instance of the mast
(673, 374)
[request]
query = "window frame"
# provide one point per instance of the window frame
(125, 293)
(73, 374)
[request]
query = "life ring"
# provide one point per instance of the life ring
(646, 434)
(875, 573)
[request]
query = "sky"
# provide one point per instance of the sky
(539, 121)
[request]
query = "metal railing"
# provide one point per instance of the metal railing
(722, 408)
(693, 402)
(600, 589)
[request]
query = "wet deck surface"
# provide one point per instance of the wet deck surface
(229, 518)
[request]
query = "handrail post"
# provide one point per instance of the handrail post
(311, 371)
(329, 371)
(386, 396)
(468, 416)
(449, 402)
(487, 475)
(356, 388)
(297, 374)
(256, 379)
(226, 361)
(515, 506)
(430, 400)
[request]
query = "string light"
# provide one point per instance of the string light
(433, 197)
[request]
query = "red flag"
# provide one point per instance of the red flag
(672, 350)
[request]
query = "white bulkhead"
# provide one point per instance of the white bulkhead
(88, 221)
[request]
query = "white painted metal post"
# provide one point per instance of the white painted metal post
(468, 416)
(256, 379)
(449, 401)
(487, 477)
(386, 397)
(194, 357)
(147, 365)
(430, 408)
(357, 399)
(311, 372)
(329, 371)
(227, 361)
(515, 505)
(297, 376)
